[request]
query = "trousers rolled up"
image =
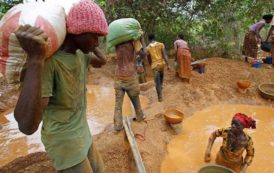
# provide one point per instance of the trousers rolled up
(131, 87)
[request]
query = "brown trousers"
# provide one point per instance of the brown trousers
(132, 88)
(93, 163)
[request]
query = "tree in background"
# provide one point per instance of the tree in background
(6, 5)
(224, 23)
(217, 26)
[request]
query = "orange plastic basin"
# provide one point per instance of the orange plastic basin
(173, 116)
(243, 84)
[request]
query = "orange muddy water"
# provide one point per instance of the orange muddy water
(100, 101)
(186, 151)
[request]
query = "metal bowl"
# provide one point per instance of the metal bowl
(215, 169)
(173, 116)
(267, 90)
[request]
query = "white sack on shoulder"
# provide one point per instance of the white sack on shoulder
(50, 18)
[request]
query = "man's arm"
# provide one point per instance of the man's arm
(149, 59)
(28, 110)
(258, 33)
(269, 32)
(175, 49)
(143, 46)
(209, 146)
(165, 57)
(99, 59)
(142, 54)
(249, 155)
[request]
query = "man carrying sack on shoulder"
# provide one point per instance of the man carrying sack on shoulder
(54, 89)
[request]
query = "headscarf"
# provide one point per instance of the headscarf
(248, 122)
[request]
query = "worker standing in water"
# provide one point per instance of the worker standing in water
(54, 89)
(235, 142)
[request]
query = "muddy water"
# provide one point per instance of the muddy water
(100, 108)
(13, 143)
(101, 103)
(186, 151)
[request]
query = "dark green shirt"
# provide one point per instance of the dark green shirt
(65, 131)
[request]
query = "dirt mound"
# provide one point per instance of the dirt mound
(218, 85)
(32, 163)
(117, 154)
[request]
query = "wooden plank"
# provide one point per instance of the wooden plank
(133, 146)
(198, 61)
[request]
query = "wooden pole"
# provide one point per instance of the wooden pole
(134, 146)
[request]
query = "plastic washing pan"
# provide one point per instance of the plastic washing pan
(267, 90)
(173, 116)
(215, 169)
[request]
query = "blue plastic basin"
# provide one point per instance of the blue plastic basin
(201, 69)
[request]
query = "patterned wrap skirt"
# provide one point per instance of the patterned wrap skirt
(233, 165)
(184, 62)
(250, 47)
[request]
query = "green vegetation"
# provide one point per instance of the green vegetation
(214, 27)
(5, 5)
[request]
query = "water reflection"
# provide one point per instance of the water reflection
(13, 143)
(100, 108)
(101, 102)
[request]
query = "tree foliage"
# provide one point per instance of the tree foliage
(217, 26)
(5, 5)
